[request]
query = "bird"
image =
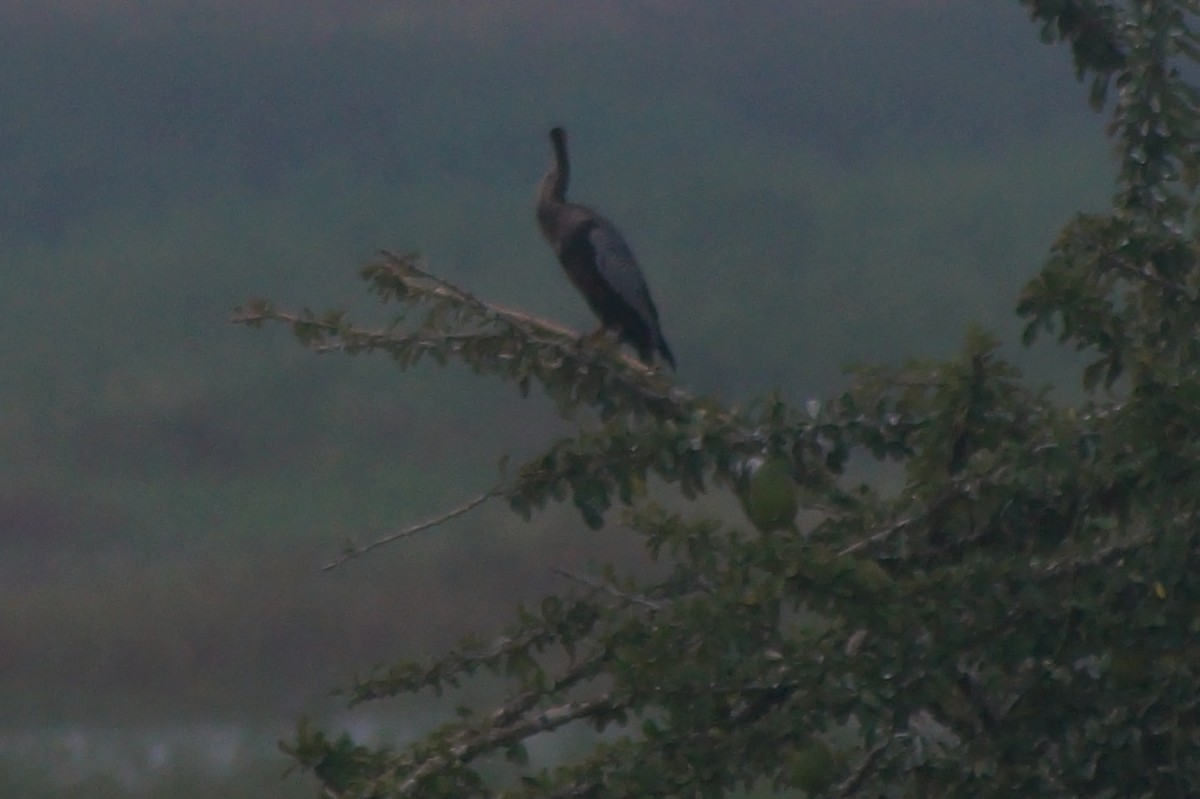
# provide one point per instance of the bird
(598, 262)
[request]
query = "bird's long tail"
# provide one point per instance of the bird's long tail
(660, 344)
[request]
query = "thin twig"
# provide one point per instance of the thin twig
(1100, 557)
(529, 324)
(523, 704)
(636, 599)
(879, 536)
(1113, 262)
(505, 735)
(852, 783)
(355, 551)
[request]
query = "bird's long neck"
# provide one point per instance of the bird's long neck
(554, 185)
(552, 194)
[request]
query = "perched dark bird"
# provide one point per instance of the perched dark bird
(598, 261)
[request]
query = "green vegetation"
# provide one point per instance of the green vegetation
(1017, 618)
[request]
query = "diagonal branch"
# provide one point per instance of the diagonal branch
(352, 551)
(1075, 563)
(880, 535)
(596, 585)
(491, 339)
(405, 270)
(498, 737)
(850, 785)
(581, 671)
(1146, 276)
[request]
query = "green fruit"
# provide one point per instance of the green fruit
(813, 768)
(871, 575)
(768, 493)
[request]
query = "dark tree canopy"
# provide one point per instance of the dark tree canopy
(1018, 618)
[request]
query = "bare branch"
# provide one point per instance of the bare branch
(545, 349)
(1146, 276)
(523, 703)
(878, 536)
(852, 783)
(596, 585)
(1100, 557)
(498, 737)
(531, 326)
(352, 551)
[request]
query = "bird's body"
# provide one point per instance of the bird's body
(598, 262)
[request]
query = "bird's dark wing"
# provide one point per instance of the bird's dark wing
(617, 267)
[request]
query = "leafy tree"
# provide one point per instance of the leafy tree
(1020, 617)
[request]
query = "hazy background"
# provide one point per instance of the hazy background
(806, 184)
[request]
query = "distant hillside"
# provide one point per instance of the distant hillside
(126, 103)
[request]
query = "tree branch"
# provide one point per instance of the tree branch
(878, 536)
(522, 704)
(1146, 276)
(505, 735)
(1100, 557)
(852, 783)
(352, 551)
(489, 338)
(405, 268)
(595, 585)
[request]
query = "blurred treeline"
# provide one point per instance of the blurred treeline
(806, 184)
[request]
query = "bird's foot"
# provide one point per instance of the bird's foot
(598, 339)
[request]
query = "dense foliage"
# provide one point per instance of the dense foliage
(1017, 618)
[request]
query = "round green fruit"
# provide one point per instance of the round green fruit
(768, 493)
(813, 767)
